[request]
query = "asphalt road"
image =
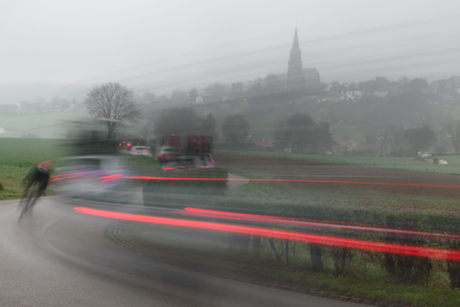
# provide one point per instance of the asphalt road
(56, 257)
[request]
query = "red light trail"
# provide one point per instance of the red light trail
(282, 234)
(65, 176)
(298, 180)
(313, 223)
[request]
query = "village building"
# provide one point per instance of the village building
(299, 78)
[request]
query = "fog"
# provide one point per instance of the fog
(51, 48)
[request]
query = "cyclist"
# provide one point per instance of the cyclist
(40, 173)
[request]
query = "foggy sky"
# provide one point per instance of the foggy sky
(159, 45)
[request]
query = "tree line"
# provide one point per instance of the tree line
(298, 133)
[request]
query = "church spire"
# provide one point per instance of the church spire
(295, 78)
(295, 44)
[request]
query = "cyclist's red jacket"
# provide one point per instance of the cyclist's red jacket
(44, 166)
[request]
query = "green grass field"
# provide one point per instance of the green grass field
(48, 125)
(379, 162)
(19, 155)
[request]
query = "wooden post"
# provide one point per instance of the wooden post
(287, 252)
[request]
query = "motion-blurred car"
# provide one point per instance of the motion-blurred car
(122, 145)
(98, 178)
(140, 151)
(166, 154)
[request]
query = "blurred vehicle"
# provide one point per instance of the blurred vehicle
(152, 146)
(166, 154)
(209, 161)
(129, 145)
(94, 178)
(140, 151)
(185, 152)
(123, 145)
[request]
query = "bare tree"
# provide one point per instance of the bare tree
(420, 138)
(235, 128)
(455, 136)
(113, 102)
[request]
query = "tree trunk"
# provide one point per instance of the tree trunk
(453, 267)
(404, 266)
(256, 245)
(243, 241)
(340, 257)
(287, 252)
(272, 246)
(422, 268)
(316, 260)
(389, 264)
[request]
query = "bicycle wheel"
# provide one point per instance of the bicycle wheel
(29, 200)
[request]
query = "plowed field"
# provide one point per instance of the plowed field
(296, 169)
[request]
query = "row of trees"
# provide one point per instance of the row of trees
(401, 141)
(115, 104)
(271, 84)
(301, 133)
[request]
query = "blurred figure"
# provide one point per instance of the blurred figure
(40, 175)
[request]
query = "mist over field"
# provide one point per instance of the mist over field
(357, 81)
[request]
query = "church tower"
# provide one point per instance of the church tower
(295, 78)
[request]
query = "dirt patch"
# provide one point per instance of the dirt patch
(298, 169)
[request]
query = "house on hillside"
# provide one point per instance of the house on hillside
(453, 82)
(312, 79)
(266, 145)
(443, 101)
(199, 100)
(352, 95)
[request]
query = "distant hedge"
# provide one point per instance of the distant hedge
(238, 147)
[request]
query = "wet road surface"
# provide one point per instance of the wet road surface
(56, 257)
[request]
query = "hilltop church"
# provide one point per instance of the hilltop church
(299, 78)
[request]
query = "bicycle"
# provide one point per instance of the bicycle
(29, 201)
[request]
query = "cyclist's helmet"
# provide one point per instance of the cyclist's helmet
(44, 166)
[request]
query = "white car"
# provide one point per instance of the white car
(140, 151)
(95, 177)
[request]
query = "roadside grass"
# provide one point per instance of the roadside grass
(19, 155)
(378, 162)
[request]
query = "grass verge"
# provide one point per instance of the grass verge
(377, 162)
